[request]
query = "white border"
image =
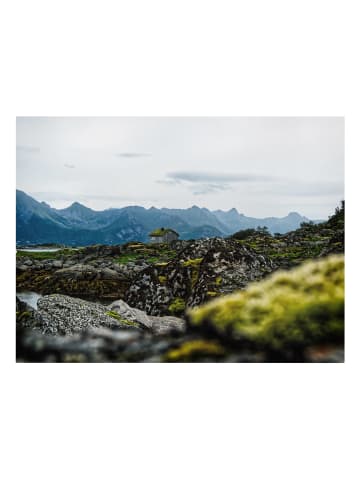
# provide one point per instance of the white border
(195, 422)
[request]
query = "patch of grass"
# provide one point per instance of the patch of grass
(129, 257)
(159, 255)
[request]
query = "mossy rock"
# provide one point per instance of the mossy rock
(293, 308)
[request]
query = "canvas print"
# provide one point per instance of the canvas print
(180, 239)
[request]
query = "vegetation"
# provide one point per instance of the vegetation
(177, 306)
(194, 349)
(309, 241)
(46, 254)
(295, 308)
(192, 262)
(122, 320)
(159, 254)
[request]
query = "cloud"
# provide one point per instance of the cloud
(209, 188)
(132, 155)
(28, 149)
(168, 182)
(210, 182)
(69, 166)
(295, 188)
(212, 177)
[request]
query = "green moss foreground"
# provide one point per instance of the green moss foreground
(291, 308)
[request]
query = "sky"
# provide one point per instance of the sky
(262, 166)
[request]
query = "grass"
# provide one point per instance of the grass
(159, 255)
(46, 254)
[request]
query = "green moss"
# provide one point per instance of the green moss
(177, 306)
(218, 281)
(194, 349)
(122, 320)
(212, 294)
(192, 262)
(162, 279)
(297, 307)
(194, 277)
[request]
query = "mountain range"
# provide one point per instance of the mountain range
(78, 225)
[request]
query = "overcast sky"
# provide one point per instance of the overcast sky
(261, 166)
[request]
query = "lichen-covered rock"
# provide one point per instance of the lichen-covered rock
(159, 325)
(64, 315)
(201, 270)
(297, 308)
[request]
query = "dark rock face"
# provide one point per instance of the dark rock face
(25, 314)
(202, 270)
(91, 274)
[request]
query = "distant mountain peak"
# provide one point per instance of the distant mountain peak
(76, 206)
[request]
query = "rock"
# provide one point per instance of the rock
(107, 273)
(159, 325)
(60, 314)
(202, 270)
(64, 315)
(24, 314)
(57, 263)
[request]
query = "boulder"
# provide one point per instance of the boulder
(159, 325)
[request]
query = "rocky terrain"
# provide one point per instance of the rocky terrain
(181, 302)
